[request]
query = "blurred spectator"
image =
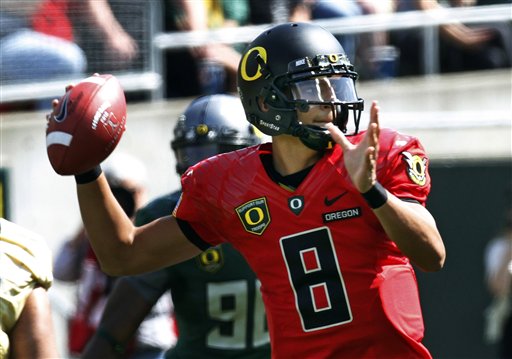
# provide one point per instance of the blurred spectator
(219, 62)
(26, 326)
(37, 42)
(327, 9)
(498, 276)
(373, 56)
(206, 69)
(116, 42)
(462, 48)
(484, 55)
(110, 32)
(278, 11)
(39, 39)
(42, 40)
(369, 50)
(76, 262)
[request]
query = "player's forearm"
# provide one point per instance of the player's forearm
(125, 305)
(414, 231)
(109, 229)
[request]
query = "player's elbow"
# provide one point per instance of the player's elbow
(435, 262)
(434, 266)
(114, 266)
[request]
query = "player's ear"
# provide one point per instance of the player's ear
(262, 105)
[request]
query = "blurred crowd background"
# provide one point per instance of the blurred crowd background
(440, 69)
(180, 48)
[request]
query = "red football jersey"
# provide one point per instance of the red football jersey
(334, 285)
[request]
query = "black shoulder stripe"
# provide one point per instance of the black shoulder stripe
(192, 235)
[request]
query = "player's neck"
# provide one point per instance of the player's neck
(290, 156)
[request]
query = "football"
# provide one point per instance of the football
(87, 125)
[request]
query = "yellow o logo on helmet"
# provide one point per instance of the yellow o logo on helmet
(243, 66)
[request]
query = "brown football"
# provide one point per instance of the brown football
(87, 125)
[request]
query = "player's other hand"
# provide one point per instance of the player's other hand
(361, 159)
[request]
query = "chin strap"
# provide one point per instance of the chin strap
(314, 137)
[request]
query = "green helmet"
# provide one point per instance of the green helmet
(210, 125)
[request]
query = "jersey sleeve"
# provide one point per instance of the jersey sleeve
(196, 211)
(403, 166)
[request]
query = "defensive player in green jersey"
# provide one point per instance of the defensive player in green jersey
(217, 300)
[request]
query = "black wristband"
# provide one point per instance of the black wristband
(376, 196)
(88, 176)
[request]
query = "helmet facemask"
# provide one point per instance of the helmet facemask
(319, 81)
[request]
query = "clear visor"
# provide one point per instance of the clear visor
(325, 89)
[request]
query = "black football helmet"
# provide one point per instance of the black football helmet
(289, 66)
(210, 125)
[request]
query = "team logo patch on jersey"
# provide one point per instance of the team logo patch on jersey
(296, 204)
(416, 168)
(254, 215)
(211, 260)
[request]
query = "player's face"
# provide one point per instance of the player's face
(317, 115)
(329, 90)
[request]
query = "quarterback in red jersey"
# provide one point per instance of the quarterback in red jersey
(329, 272)
(329, 218)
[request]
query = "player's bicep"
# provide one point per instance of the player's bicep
(159, 244)
(421, 211)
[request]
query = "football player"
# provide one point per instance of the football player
(26, 327)
(217, 301)
(330, 218)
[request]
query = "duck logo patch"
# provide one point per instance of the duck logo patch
(254, 215)
(416, 168)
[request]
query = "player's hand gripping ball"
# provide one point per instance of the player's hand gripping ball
(86, 124)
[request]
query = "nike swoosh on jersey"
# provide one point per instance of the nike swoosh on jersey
(331, 201)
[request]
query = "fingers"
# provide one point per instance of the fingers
(338, 136)
(371, 169)
(374, 126)
(374, 112)
(55, 103)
